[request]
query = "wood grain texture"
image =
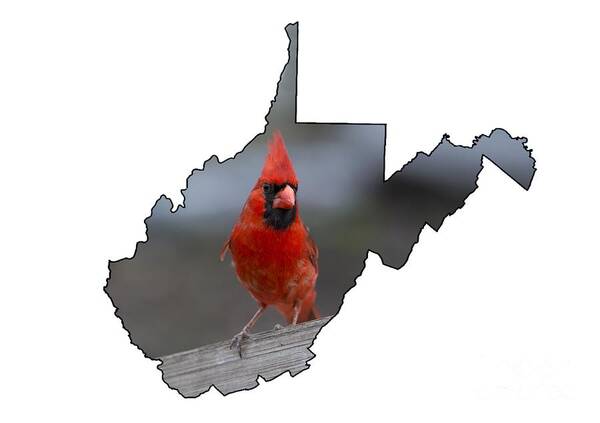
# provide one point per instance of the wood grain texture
(267, 354)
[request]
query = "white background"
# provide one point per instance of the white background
(105, 107)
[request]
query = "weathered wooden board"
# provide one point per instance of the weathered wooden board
(267, 354)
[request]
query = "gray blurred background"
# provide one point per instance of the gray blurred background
(175, 294)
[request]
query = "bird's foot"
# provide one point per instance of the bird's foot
(277, 326)
(237, 340)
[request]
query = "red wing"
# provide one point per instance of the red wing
(313, 251)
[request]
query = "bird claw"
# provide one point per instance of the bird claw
(237, 340)
(277, 326)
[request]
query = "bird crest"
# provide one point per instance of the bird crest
(278, 167)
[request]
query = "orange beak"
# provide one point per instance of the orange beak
(285, 199)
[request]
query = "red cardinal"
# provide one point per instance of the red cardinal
(274, 257)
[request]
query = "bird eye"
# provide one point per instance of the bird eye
(267, 188)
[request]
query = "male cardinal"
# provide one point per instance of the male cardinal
(274, 257)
